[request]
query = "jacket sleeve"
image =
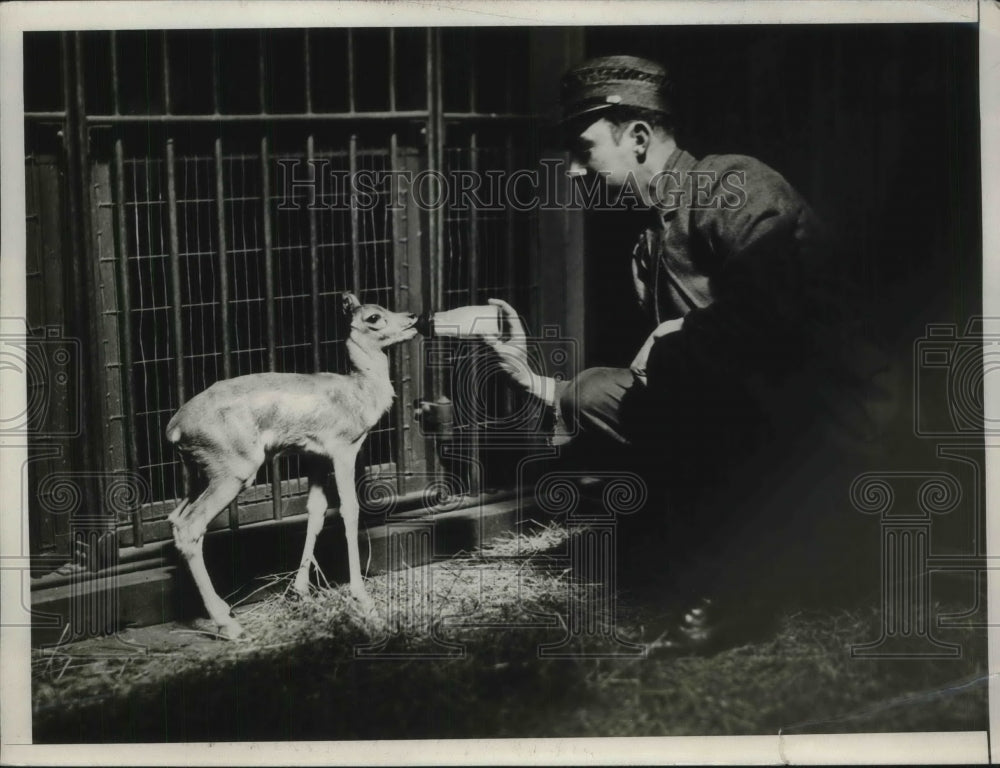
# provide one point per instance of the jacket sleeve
(769, 256)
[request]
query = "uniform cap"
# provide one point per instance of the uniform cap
(611, 81)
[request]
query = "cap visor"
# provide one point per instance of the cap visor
(558, 131)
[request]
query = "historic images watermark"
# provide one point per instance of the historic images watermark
(325, 187)
(418, 600)
(950, 369)
(591, 628)
(478, 384)
(51, 362)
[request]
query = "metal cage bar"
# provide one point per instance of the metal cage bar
(212, 265)
(400, 285)
(314, 275)
(125, 329)
(175, 275)
(475, 473)
(223, 265)
(272, 354)
(176, 310)
(435, 228)
(275, 117)
(83, 284)
(355, 250)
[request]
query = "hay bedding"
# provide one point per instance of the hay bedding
(294, 674)
(515, 581)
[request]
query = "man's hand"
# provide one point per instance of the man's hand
(638, 365)
(513, 355)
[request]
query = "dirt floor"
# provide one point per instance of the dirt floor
(501, 643)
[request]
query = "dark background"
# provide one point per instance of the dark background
(876, 125)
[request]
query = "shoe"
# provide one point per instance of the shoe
(705, 627)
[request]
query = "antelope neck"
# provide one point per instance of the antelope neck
(365, 360)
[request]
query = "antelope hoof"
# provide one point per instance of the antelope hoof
(230, 630)
(364, 600)
(302, 584)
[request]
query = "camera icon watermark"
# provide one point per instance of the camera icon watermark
(590, 504)
(952, 370)
(380, 496)
(63, 493)
(50, 361)
(906, 559)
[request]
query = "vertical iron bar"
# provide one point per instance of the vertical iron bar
(355, 250)
(392, 70)
(272, 354)
(439, 140)
(166, 73)
(265, 168)
(77, 308)
(223, 264)
(432, 166)
(314, 260)
(473, 226)
(175, 286)
(175, 273)
(508, 271)
(125, 330)
(435, 154)
(401, 284)
(307, 62)
(92, 421)
(350, 70)
(433, 378)
(475, 478)
(115, 96)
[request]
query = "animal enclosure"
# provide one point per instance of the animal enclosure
(186, 225)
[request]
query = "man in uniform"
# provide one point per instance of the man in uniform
(757, 380)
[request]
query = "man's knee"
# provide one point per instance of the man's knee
(592, 402)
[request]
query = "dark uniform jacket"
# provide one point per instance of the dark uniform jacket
(770, 325)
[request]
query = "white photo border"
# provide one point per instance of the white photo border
(15, 683)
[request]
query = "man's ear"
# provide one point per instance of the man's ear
(641, 133)
(349, 302)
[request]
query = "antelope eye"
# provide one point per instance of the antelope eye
(371, 319)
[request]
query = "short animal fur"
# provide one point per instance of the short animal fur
(227, 432)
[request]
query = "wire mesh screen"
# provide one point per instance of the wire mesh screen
(218, 268)
(307, 325)
(484, 257)
(155, 362)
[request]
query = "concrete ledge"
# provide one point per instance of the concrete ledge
(133, 595)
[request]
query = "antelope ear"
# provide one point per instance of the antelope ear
(350, 302)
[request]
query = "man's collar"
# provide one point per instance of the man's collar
(679, 160)
(678, 163)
